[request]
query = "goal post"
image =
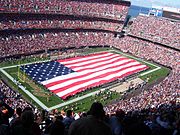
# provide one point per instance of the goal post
(21, 75)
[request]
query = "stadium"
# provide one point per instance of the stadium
(64, 61)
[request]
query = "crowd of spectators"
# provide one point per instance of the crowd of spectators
(12, 98)
(29, 43)
(94, 8)
(157, 29)
(154, 111)
(158, 121)
(50, 22)
(166, 91)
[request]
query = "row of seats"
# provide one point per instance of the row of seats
(49, 22)
(96, 8)
(29, 43)
(157, 29)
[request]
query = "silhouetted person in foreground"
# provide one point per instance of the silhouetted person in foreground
(27, 126)
(68, 120)
(57, 127)
(93, 124)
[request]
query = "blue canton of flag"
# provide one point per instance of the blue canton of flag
(45, 71)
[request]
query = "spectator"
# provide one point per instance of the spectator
(106, 9)
(4, 129)
(68, 119)
(27, 125)
(6, 112)
(116, 122)
(92, 124)
(17, 116)
(57, 128)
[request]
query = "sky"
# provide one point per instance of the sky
(149, 3)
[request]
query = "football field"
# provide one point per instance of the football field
(74, 83)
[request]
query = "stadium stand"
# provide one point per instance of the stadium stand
(29, 43)
(45, 21)
(12, 98)
(157, 29)
(93, 8)
(163, 93)
(136, 47)
(154, 111)
(17, 16)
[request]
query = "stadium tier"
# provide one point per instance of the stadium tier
(41, 21)
(93, 8)
(31, 42)
(157, 29)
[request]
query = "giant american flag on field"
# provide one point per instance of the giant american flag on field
(72, 75)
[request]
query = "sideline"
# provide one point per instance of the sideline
(25, 90)
(76, 99)
(150, 71)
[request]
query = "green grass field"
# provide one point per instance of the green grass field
(50, 100)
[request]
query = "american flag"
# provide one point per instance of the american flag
(69, 76)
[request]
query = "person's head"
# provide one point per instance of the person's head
(59, 117)
(19, 111)
(83, 114)
(27, 109)
(69, 113)
(57, 128)
(48, 121)
(97, 110)
(120, 114)
(27, 118)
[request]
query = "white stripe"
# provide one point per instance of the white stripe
(96, 64)
(91, 76)
(92, 61)
(60, 94)
(92, 69)
(82, 59)
(83, 72)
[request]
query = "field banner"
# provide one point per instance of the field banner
(72, 75)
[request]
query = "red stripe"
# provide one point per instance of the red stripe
(87, 80)
(75, 58)
(120, 59)
(85, 67)
(102, 82)
(69, 65)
